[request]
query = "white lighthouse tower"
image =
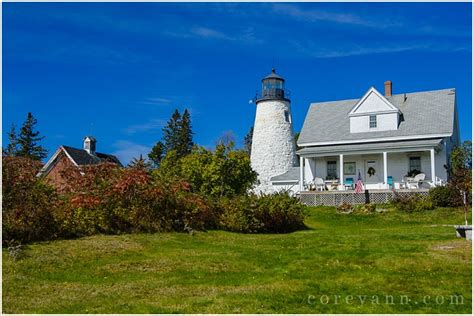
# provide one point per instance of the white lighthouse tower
(273, 146)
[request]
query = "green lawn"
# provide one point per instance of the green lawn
(338, 256)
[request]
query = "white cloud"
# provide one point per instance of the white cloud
(205, 32)
(314, 49)
(127, 150)
(151, 125)
(326, 16)
(156, 101)
(242, 35)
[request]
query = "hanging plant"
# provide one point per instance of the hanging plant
(371, 171)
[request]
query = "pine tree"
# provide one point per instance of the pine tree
(28, 140)
(12, 147)
(177, 136)
(185, 143)
(140, 163)
(157, 153)
(248, 141)
(171, 132)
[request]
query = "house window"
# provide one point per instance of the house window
(287, 116)
(415, 164)
(331, 171)
(350, 168)
(373, 121)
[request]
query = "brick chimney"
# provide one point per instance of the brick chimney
(388, 88)
(89, 144)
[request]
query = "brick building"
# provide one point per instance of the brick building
(66, 156)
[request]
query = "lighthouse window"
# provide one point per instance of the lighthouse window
(287, 116)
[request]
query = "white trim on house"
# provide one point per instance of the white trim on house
(285, 181)
(374, 140)
(67, 154)
(46, 167)
(393, 109)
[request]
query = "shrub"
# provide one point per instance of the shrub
(277, 213)
(112, 200)
(221, 172)
(369, 208)
(28, 202)
(412, 203)
(344, 208)
(445, 196)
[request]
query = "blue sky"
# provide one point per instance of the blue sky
(118, 70)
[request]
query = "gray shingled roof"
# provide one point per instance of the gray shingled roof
(424, 113)
(82, 157)
(368, 147)
(292, 175)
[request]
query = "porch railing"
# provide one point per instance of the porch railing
(335, 198)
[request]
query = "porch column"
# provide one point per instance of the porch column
(301, 173)
(433, 176)
(385, 173)
(341, 169)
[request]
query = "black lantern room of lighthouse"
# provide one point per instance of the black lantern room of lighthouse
(273, 88)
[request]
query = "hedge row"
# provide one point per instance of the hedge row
(111, 200)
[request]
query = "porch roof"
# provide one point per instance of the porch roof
(395, 146)
(292, 175)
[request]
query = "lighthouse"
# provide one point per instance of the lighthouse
(273, 146)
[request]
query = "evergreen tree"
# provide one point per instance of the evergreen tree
(185, 143)
(140, 163)
(177, 136)
(157, 153)
(28, 140)
(12, 147)
(248, 141)
(171, 132)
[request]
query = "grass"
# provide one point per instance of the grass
(383, 255)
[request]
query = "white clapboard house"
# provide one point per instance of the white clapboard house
(400, 141)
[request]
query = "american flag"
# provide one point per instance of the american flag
(359, 184)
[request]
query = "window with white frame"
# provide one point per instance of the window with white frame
(415, 164)
(331, 170)
(287, 117)
(373, 121)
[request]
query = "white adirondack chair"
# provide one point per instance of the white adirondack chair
(319, 183)
(415, 183)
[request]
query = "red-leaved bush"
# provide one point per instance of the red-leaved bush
(28, 202)
(111, 200)
(107, 199)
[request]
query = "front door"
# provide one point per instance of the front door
(372, 171)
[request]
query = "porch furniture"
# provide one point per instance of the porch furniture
(319, 183)
(390, 182)
(349, 183)
(331, 184)
(414, 183)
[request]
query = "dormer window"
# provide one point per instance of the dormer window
(373, 121)
(374, 113)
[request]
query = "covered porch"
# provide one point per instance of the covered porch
(397, 165)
